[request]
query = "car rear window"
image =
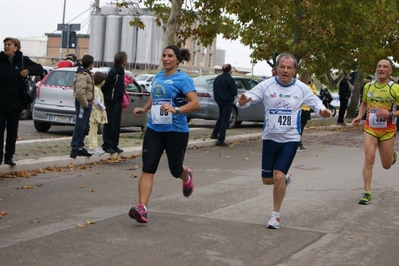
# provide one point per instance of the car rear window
(60, 78)
(205, 82)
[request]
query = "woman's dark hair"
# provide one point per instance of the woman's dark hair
(120, 57)
(99, 77)
(181, 54)
(87, 60)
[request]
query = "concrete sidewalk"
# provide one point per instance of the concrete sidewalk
(233, 135)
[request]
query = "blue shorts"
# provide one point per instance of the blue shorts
(277, 156)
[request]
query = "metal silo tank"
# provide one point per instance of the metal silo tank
(109, 10)
(97, 36)
(129, 38)
(144, 43)
(157, 44)
(112, 37)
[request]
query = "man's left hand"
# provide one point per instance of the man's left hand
(326, 113)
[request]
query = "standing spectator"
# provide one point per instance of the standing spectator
(172, 97)
(274, 72)
(282, 97)
(344, 95)
(113, 90)
(83, 91)
(11, 96)
(98, 115)
(224, 92)
(368, 80)
(305, 113)
(69, 61)
(380, 128)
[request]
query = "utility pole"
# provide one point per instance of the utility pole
(63, 22)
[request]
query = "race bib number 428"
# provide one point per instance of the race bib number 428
(280, 119)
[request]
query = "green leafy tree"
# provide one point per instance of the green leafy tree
(327, 37)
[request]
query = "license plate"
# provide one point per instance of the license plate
(59, 118)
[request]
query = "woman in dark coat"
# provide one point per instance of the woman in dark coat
(11, 97)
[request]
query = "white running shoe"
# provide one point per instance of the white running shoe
(288, 179)
(96, 151)
(274, 222)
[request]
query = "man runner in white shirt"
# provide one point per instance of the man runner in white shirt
(282, 97)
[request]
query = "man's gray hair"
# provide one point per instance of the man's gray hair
(287, 55)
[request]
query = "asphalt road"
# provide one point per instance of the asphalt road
(222, 223)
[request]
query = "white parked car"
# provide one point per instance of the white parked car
(55, 104)
(144, 80)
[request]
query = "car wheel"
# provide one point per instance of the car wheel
(41, 126)
(233, 118)
(26, 113)
(238, 123)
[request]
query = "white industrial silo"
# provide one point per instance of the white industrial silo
(157, 44)
(109, 10)
(97, 37)
(145, 42)
(112, 37)
(129, 39)
(132, 10)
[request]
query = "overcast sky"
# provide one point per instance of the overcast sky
(32, 18)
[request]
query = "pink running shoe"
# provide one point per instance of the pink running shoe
(139, 213)
(188, 186)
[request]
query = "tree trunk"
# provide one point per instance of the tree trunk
(352, 110)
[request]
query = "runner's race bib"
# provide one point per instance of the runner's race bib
(377, 122)
(280, 120)
(157, 115)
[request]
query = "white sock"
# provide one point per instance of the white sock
(275, 214)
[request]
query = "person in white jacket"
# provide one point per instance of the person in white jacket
(282, 97)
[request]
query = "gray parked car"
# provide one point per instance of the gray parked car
(55, 104)
(209, 108)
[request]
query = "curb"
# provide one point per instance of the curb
(64, 160)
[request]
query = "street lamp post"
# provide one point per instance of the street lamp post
(253, 62)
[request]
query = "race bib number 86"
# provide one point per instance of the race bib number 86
(157, 115)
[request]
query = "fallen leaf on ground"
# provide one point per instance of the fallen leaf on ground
(133, 175)
(90, 222)
(80, 226)
(81, 186)
(91, 190)
(35, 222)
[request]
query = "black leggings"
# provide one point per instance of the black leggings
(154, 143)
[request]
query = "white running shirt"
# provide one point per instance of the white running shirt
(283, 104)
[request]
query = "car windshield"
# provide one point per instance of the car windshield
(60, 78)
(142, 77)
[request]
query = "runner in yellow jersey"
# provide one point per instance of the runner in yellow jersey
(379, 100)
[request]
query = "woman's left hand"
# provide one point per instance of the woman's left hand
(24, 73)
(168, 108)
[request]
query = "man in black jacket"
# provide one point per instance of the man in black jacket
(344, 95)
(113, 90)
(224, 92)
